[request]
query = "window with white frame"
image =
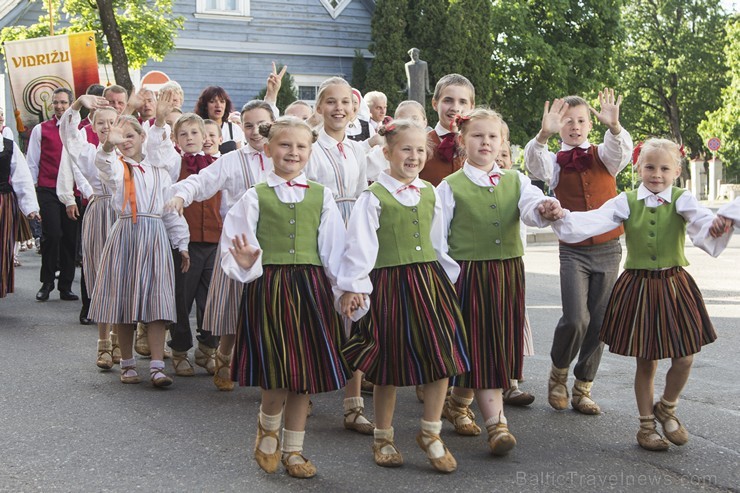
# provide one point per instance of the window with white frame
(307, 86)
(335, 7)
(237, 8)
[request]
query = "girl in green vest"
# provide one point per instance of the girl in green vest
(285, 239)
(655, 310)
(413, 333)
(483, 205)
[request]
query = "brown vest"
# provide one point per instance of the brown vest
(436, 168)
(204, 218)
(586, 191)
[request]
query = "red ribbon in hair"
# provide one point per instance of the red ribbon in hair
(636, 153)
(460, 119)
(682, 151)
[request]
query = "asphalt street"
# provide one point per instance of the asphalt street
(66, 426)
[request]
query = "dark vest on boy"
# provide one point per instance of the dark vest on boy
(588, 190)
(364, 134)
(51, 154)
(438, 167)
(5, 158)
(203, 218)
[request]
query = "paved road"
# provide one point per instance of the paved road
(65, 426)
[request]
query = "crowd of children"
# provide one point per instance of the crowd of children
(335, 244)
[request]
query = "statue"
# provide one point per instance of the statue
(417, 77)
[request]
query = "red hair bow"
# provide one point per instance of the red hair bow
(460, 119)
(636, 153)
(682, 151)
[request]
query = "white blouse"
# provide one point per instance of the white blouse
(244, 216)
(529, 199)
(731, 211)
(153, 188)
(362, 240)
(232, 174)
(615, 152)
(579, 226)
(78, 161)
(22, 181)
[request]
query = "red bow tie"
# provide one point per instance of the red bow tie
(262, 162)
(408, 187)
(299, 185)
(196, 162)
(448, 148)
(576, 159)
(340, 146)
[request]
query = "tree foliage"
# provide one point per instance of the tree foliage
(546, 50)
(724, 123)
(387, 72)
(147, 27)
(359, 72)
(287, 93)
(672, 67)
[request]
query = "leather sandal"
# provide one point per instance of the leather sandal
(649, 438)
(159, 378)
(267, 462)
(129, 375)
(352, 424)
(500, 439)
(447, 462)
(394, 459)
(223, 365)
(302, 470)
(665, 414)
(105, 355)
(458, 415)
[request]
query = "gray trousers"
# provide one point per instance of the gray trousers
(587, 276)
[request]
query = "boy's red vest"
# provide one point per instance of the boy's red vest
(436, 167)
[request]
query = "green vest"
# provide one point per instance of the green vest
(289, 233)
(404, 235)
(486, 221)
(655, 236)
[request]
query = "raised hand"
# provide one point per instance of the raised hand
(135, 102)
(90, 102)
(244, 254)
(165, 106)
(553, 119)
(115, 135)
(274, 82)
(608, 113)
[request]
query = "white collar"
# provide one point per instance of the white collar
(643, 193)
(392, 185)
(565, 147)
(478, 175)
(328, 141)
(274, 180)
(441, 131)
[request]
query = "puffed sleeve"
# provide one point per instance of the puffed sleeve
(176, 225)
(110, 169)
(530, 198)
(208, 182)
(698, 222)
(579, 226)
(22, 181)
(241, 219)
(440, 229)
(540, 162)
(361, 249)
(331, 237)
(616, 151)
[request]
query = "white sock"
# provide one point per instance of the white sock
(269, 445)
(493, 421)
(351, 403)
(293, 442)
(156, 365)
(128, 362)
(462, 402)
(671, 425)
(384, 435)
(435, 448)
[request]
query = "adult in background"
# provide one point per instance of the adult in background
(214, 104)
(59, 232)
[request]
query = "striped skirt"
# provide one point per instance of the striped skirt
(290, 337)
(656, 314)
(221, 314)
(414, 331)
(492, 302)
(528, 339)
(9, 216)
(98, 220)
(136, 278)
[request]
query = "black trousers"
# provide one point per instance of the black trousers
(192, 286)
(58, 240)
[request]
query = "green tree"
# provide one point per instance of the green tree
(724, 123)
(128, 32)
(359, 72)
(545, 50)
(287, 93)
(387, 72)
(672, 67)
(425, 28)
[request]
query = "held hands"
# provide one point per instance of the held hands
(244, 254)
(274, 82)
(72, 212)
(609, 110)
(551, 210)
(175, 204)
(351, 302)
(553, 119)
(184, 261)
(720, 226)
(34, 215)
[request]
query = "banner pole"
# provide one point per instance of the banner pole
(51, 19)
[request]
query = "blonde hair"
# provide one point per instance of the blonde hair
(656, 145)
(298, 102)
(256, 104)
(211, 122)
(331, 81)
(269, 130)
(410, 104)
(190, 118)
(172, 86)
(480, 114)
(373, 97)
(133, 122)
(392, 131)
(575, 101)
(454, 80)
(99, 111)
